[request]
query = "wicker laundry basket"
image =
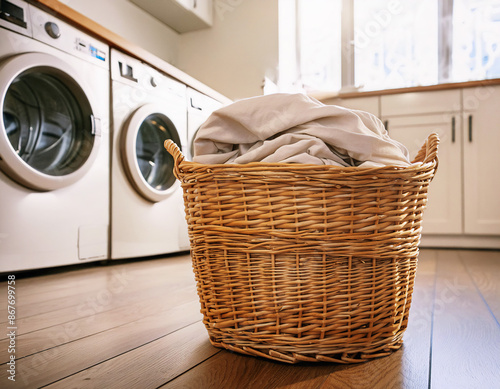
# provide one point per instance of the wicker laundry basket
(305, 262)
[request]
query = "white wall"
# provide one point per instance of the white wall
(232, 57)
(241, 48)
(132, 23)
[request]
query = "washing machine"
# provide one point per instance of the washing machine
(200, 107)
(54, 141)
(147, 209)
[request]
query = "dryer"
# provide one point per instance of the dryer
(54, 141)
(200, 107)
(147, 209)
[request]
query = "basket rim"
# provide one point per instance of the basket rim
(304, 166)
(425, 159)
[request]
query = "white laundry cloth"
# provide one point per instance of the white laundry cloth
(298, 129)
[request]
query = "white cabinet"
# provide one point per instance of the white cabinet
(481, 162)
(410, 118)
(464, 198)
(180, 15)
(444, 207)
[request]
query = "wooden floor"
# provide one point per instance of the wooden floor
(137, 325)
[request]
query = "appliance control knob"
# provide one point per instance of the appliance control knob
(53, 30)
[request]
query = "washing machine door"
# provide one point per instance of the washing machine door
(48, 134)
(147, 163)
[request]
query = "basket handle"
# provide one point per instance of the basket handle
(176, 153)
(429, 151)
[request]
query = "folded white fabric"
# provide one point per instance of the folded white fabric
(295, 128)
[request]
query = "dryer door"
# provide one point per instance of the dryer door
(48, 134)
(148, 164)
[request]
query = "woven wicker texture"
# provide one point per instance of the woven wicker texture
(305, 262)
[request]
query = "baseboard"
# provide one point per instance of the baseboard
(460, 241)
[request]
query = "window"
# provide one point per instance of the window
(383, 44)
(319, 43)
(476, 40)
(395, 43)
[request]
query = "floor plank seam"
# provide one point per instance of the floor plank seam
(479, 292)
(320, 386)
(188, 370)
(429, 382)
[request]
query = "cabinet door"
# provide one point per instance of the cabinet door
(444, 208)
(481, 139)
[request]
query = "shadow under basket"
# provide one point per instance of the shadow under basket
(298, 262)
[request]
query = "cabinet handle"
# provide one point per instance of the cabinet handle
(453, 129)
(386, 125)
(195, 3)
(470, 128)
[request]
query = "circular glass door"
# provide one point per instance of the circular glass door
(148, 164)
(47, 131)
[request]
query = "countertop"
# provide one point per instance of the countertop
(354, 94)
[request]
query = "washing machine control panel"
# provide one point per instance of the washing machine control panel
(26, 19)
(134, 73)
(54, 32)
